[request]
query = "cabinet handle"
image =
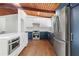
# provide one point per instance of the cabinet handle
(71, 37)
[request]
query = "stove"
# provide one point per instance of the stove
(36, 35)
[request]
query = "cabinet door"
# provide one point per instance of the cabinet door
(2, 23)
(28, 22)
(12, 23)
(45, 22)
(43, 35)
(30, 35)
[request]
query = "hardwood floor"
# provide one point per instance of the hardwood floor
(38, 48)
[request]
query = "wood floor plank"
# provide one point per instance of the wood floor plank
(38, 48)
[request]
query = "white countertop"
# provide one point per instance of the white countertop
(8, 35)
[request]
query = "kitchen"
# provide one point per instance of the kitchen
(12, 40)
(26, 30)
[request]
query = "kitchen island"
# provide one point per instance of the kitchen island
(11, 44)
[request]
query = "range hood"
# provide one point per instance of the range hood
(36, 26)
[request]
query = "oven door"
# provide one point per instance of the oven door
(13, 46)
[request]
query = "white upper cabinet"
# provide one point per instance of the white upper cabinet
(9, 23)
(28, 22)
(12, 23)
(44, 22)
(2, 23)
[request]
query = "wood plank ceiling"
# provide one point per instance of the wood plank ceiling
(40, 9)
(7, 8)
(34, 9)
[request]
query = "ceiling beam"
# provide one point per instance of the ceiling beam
(40, 10)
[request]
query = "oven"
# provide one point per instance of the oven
(36, 35)
(13, 45)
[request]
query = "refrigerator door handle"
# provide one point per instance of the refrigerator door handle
(71, 37)
(61, 41)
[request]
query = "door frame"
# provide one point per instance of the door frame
(68, 30)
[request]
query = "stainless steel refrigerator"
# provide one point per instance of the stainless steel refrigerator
(62, 32)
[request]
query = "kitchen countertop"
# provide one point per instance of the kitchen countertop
(8, 35)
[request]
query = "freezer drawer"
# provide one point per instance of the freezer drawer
(60, 47)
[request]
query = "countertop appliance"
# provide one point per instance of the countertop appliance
(9, 43)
